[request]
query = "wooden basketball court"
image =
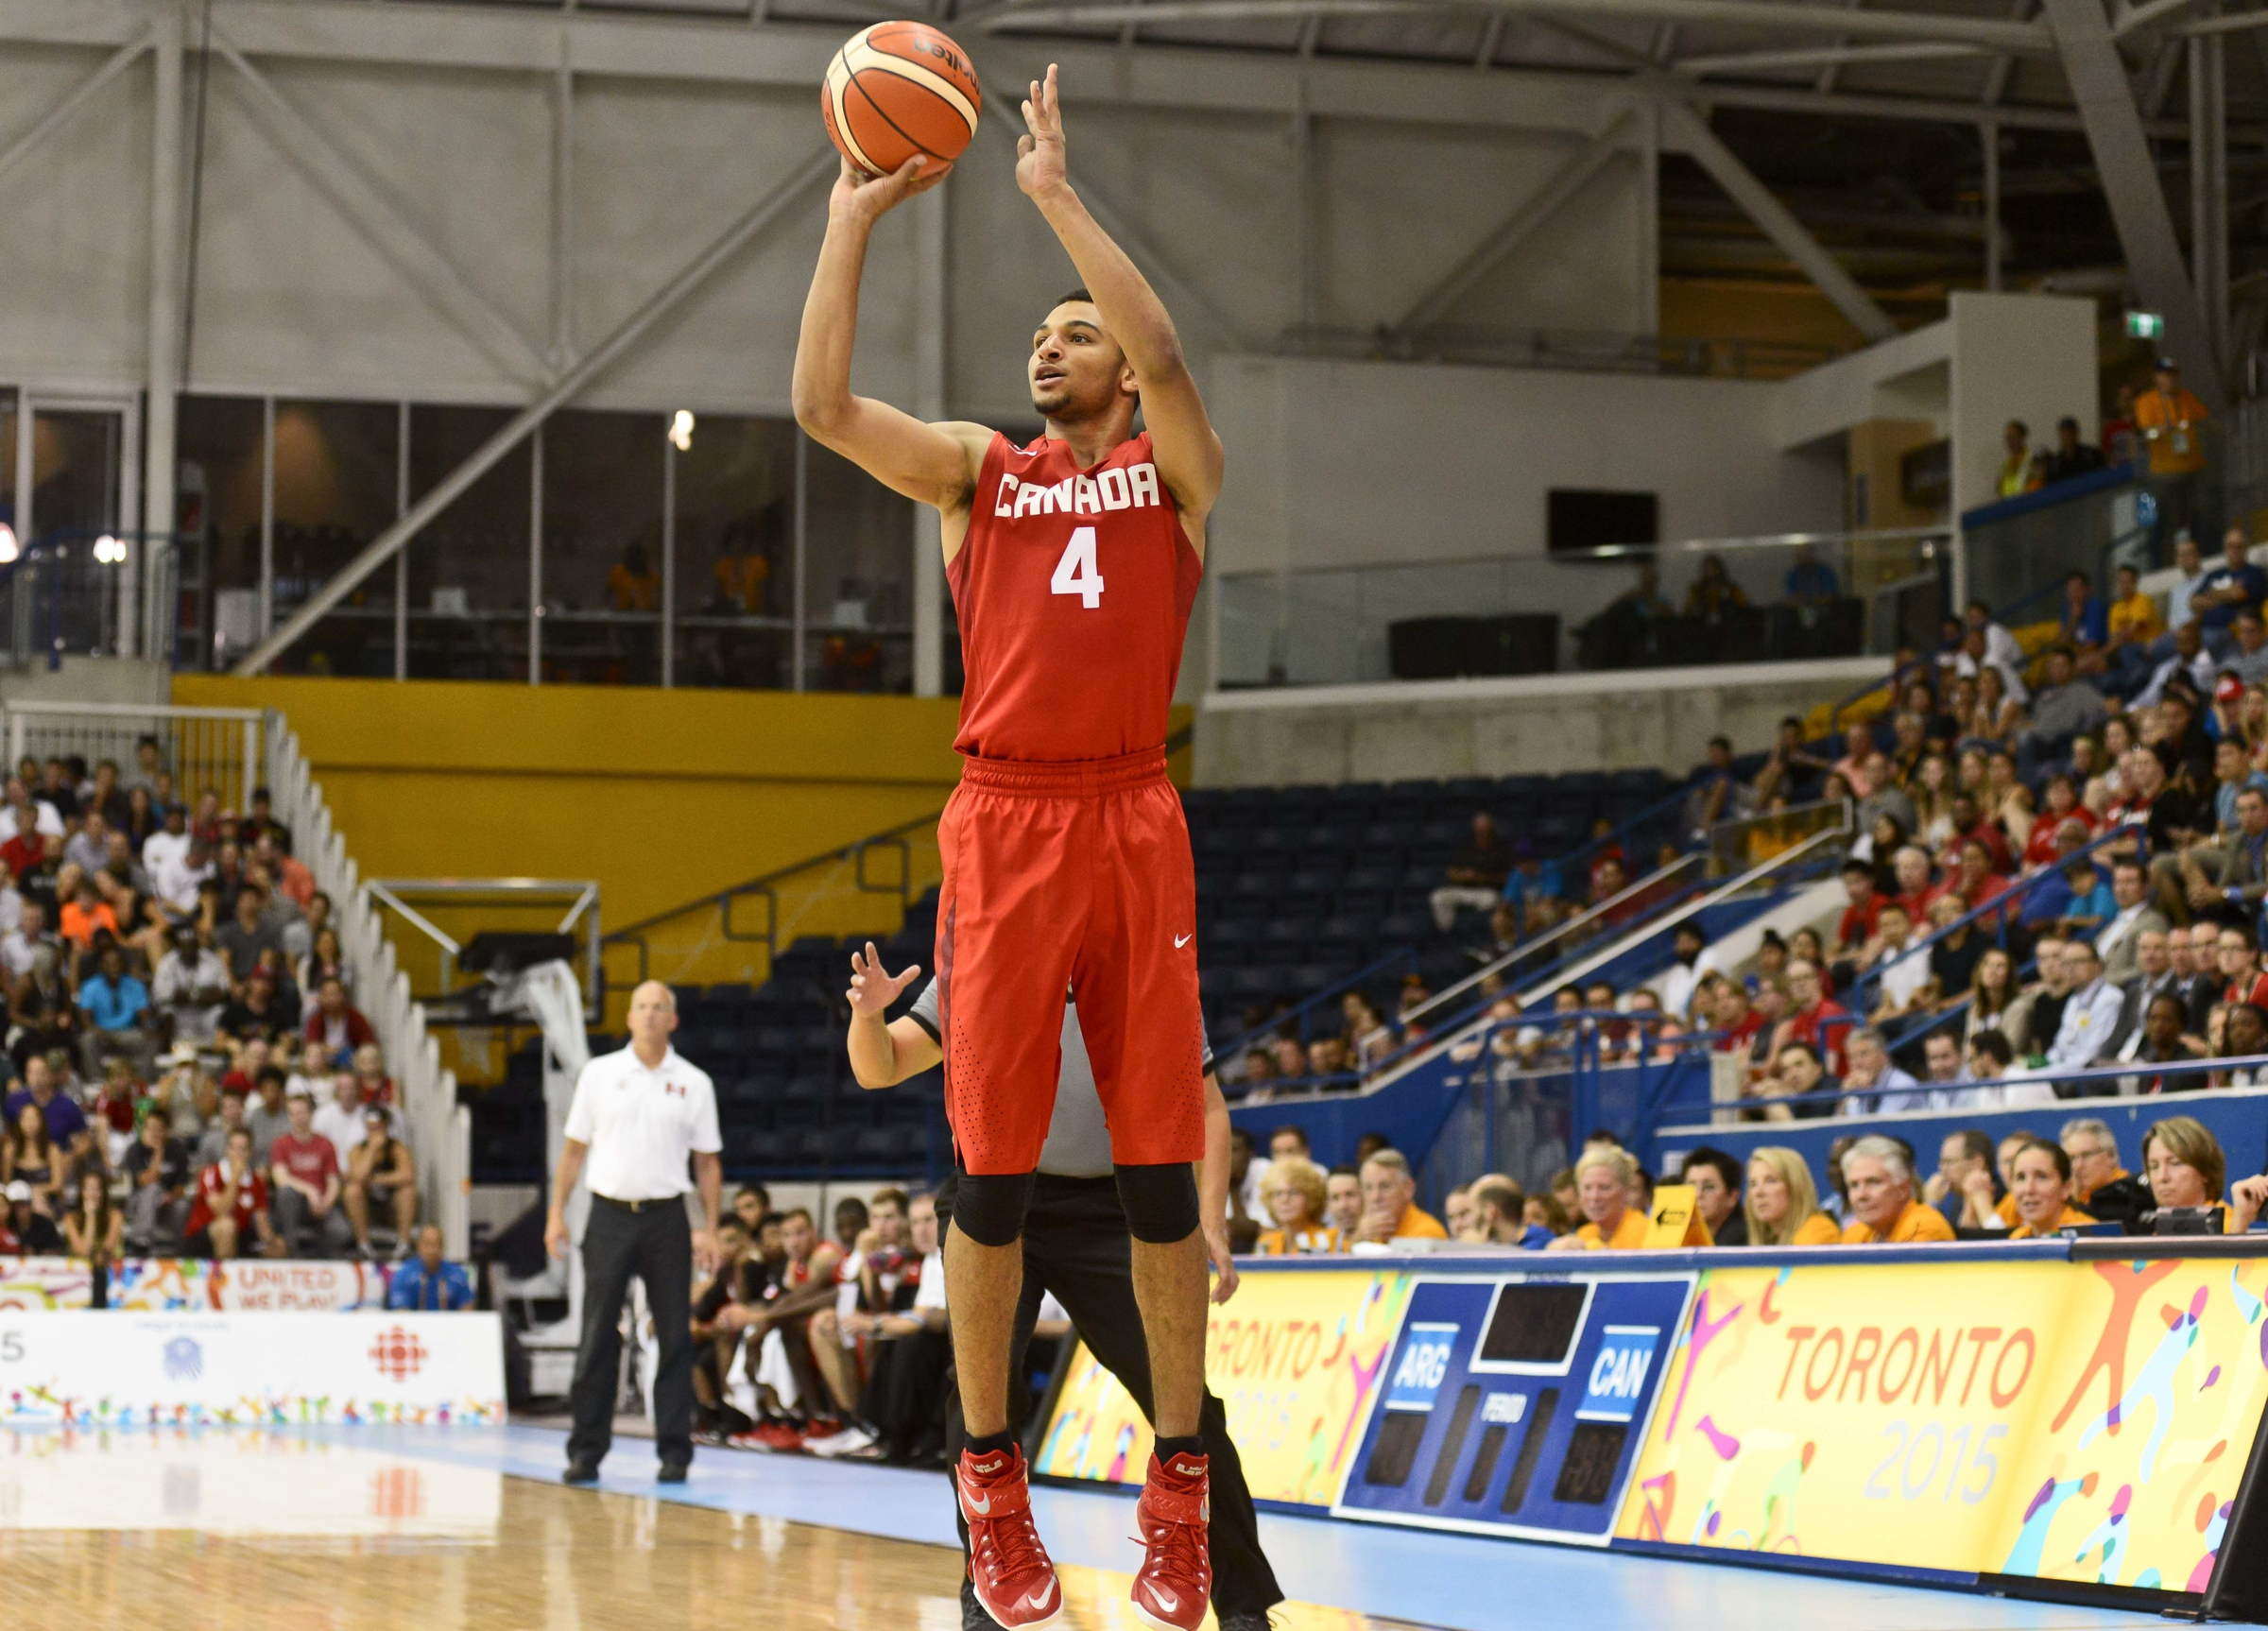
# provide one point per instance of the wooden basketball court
(468, 1529)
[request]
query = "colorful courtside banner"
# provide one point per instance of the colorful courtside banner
(2072, 1421)
(2013, 1416)
(108, 1369)
(1295, 1359)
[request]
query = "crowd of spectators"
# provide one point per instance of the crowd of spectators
(834, 1346)
(187, 1072)
(2026, 1186)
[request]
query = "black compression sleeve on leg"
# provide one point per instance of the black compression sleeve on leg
(988, 1208)
(1161, 1201)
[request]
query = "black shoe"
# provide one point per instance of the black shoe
(1245, 1620)
(580, 1472)
(672, 1471)
(973, 1616)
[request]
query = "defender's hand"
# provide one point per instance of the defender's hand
(865, 198)
(873, 989)
(1040, 167)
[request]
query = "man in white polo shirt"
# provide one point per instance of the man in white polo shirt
(638, 1115)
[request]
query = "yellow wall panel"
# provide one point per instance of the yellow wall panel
(662, 795)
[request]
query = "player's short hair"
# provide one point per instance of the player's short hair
(1078, 294)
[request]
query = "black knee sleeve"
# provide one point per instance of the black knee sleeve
(1161, 1201)
(988, 1208)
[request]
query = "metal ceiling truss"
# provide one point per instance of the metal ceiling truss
(1630, 91)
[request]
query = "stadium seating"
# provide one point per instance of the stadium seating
(1299, 888)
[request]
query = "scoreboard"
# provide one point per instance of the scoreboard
(1516, 1404)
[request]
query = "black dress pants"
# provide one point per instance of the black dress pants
(652, 1241)
(1076, 1245)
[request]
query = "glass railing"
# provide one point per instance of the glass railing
(1717, 601)
(2093, 524)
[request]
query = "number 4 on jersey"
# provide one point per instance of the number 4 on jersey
(1076, 573)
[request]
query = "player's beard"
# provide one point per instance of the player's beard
(1065, 403)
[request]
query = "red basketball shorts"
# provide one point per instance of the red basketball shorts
(1069, 877)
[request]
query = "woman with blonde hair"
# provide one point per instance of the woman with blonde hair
(1932, 795)
(1995, 716)
(1996, 1001)
(1781, 1202)
(1604, 1175)
(1294, 1191)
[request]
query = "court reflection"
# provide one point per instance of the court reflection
(259, 1531)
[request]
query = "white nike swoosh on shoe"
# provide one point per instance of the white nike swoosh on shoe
(1166, 1600)
(983, 1507)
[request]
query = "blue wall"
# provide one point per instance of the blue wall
(2239, 1118)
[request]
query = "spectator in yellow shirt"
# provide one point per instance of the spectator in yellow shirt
(742, 572)
(1390, 1209)
(1782, 1203)
(2042, 1191)
(2171, 423)
(2186, 1168)
(1880, 1181)
(2016, 469)
(632, 584)
(2125, 658)
(1604, 1178)
(1294, 1192)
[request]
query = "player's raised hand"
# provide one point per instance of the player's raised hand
(872, 987)
(863, 198)
(1040, 152)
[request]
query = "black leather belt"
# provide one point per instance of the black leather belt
(639, 1206)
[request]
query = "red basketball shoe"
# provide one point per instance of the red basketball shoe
(1014, 1581)
(1176, 1581)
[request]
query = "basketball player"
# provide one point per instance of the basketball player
(1074, 563)
(1075, 1248)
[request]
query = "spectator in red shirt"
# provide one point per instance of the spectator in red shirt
(1970, 822)
(231, 1204)
(2240, 967)
(26, 848)
(370, 1071)
(2063, 805)
(1819, 1022)
(1734, 1015)
(1911, 866)
(289, 874)
(337, 1024)
(1862, 905)
(206, 822)
(1976, 882)
(1858, 749)
(304, 1177)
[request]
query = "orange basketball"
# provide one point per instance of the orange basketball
(899, 90)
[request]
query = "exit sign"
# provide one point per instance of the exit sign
(2144, 325)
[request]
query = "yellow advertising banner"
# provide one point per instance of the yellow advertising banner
(2069, 1420)
(1295, 1358)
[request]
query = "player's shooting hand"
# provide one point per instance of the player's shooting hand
(866, 198)
(872, 987)
(1039, 165)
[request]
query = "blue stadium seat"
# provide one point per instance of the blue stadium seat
(1291, 931)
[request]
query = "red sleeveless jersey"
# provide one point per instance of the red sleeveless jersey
(1073, 590)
